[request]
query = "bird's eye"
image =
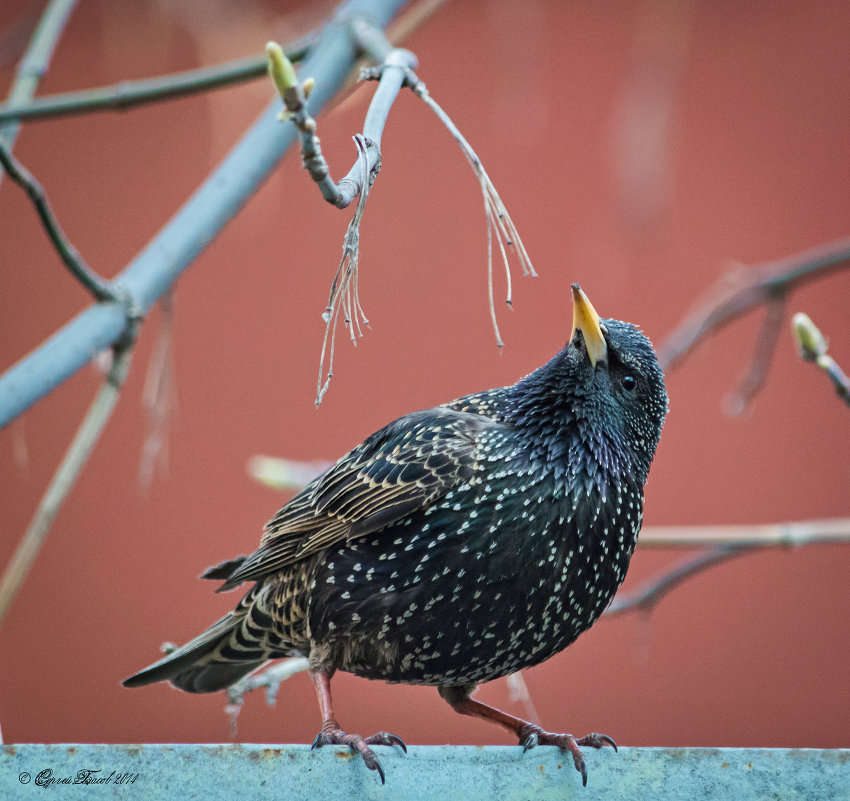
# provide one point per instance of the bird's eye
(629, 383)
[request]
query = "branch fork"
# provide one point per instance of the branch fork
(295, 94)
(394, 70)
(767, 284)
(103, 290)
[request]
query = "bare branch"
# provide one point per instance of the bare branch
(270, 679)
(813, 346)
(294, 95)
(395, 63)
(99, 287)
(66, 475)
(34, 63)
(805, 532)
(129, 94)
(760, 284)
(755, 376)
(187, 232)
(393, 68)
(652, 591)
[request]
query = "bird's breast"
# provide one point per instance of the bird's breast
(495, 577)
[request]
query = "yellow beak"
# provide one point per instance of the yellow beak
(586, 320)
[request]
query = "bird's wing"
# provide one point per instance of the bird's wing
(405, 466)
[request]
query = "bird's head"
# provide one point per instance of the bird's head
(601, 398)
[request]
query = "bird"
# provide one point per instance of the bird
(455, 545)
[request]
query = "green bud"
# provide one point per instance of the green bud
(808, 337)
(281, 70)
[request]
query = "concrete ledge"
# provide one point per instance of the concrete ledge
(284, 772)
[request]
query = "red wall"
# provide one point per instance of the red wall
(566, 104)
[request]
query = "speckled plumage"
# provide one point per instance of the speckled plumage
(457, 544)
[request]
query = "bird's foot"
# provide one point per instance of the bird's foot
(360, 745)
(531, 736)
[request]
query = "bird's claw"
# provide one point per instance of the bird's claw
(581, 767)
(595, 740)
(373, 764)
(360, 745)
(532, 736)
(386, 738)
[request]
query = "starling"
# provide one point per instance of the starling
(455, 545)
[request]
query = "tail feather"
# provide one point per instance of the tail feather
(198, 666)
(213, 677)
(222, 571)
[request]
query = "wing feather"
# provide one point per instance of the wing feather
(404, 467)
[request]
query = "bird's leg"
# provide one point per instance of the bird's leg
(332, 733)
(529, 734)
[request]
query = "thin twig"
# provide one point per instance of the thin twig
(813, 345)
(760, 284)
(652, 591)
(518, 690)
(270, 679)
(496, 214)
(393, 68)
(34, 64)
(791, 534)
(294, 94)
(99, 287)
(395, 63)
(490, 300)
(344, 287)
(158, 396)
(159, 263)
(66, 475)
(129, 94)
(755, 376)
(408, 20)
